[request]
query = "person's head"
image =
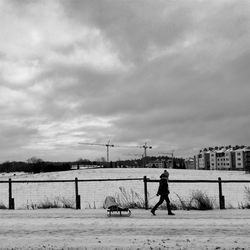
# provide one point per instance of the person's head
(165, 174)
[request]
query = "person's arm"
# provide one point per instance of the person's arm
(168, 189)
(159, 189)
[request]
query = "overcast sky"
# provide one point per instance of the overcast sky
(174, 74)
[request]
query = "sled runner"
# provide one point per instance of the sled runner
(112, 206)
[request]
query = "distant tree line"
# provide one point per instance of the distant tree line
(36, 165)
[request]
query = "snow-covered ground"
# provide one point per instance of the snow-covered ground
(94, 193)
(92, 229)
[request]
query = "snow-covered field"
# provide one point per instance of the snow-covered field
(94, 193)
(92, 229)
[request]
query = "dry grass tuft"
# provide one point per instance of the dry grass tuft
(246, 204)
(197, 201)
(130, 199)
(58, 202)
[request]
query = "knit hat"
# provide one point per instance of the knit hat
(165, 174)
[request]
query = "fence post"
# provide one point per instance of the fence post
(221, 197)
(145, 192)
(78, 197)
(11, 200)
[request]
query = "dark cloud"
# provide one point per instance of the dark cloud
(133, 25)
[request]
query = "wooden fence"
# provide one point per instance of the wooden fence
(76, 181)
(145, 180)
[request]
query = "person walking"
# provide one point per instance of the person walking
(163, 191)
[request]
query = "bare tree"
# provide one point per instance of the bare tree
(34, 159)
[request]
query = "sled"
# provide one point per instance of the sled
(112, 207)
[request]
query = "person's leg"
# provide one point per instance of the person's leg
(157, 205)
(168, 206)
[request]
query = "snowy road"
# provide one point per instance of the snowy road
(92, 229)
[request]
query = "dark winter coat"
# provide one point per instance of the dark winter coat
(163, 187)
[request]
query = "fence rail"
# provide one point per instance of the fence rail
(144, 180)
(79, 180)
(202, 181)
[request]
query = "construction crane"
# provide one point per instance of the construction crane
(107, 145)
(145, 147)
(171, 154)
(144, 155)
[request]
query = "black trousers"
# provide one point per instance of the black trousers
(162, 199)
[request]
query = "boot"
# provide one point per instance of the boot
(152, 211)
(169, 209)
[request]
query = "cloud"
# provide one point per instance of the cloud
(174, 74)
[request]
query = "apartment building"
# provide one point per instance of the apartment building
(202, 160)
(239, 159)
(230, 159)
(247, 160)
(224, 158)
